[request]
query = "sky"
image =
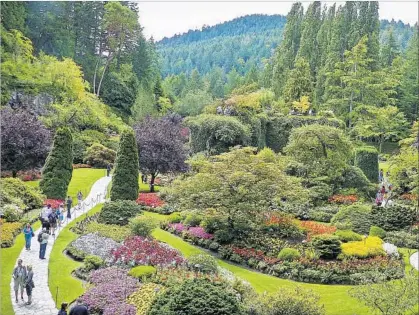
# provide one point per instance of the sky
(167, 18)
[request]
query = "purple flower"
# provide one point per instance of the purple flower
(199, 232)
(178, 227)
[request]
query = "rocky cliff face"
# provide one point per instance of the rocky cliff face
(36, 104)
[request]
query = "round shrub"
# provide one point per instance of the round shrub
(393, 218)
(98, 155)
(348, 236)
(366, 158)
(289, 254)
(192, 219)
(355, 217)
(142, 272)
(327, 246)
(196, 297)
(369, 247)
(353, 177)
(142, 226)
(175, 217)
(92, 262)
(203, 263)
(377, 231)
(118, 212)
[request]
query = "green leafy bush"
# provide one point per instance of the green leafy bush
(92, 262)
(394, 217)
(196, 297)
(142, 226)
(77, 254)
(99, 156)
(202, 262)
(58, 168)
(355, 217)
(348, 236)
(142, 272)
(402, 239)
(289, 254)
(366, 158)
(377, 231)
(192, 219)
(327, 246)
(125, 179)
(216, 134)
(15, 191)
(353, 177)
(175, 217)
(118, 212)
(323, 213)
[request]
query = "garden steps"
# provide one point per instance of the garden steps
(43, 302)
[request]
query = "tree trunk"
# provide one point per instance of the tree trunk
(94, 76)
(103, 74)
(381, 143)
(14, 173)
(153, 177)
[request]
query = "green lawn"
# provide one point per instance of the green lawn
(334, 297)
(83, 179)
(61, 266)
(32, 183)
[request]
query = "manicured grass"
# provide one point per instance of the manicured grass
(32, 183)
(334, 297)
(61, 266)
(8, 257)
(83, 180)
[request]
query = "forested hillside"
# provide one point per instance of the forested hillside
(242, 43)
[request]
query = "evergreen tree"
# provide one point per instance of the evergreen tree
(233, 80)
(299, 82)
(125, 179)
(13, 15)
(195, 81)
(390, 50)
(58, 168)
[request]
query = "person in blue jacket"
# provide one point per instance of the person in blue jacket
(28, 231)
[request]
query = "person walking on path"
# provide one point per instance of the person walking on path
(63, 310)
(28, 231)
(60, 213)
(53, 218)
(79, 198)
(29, 285)
(45, 216)
(381, 176)
(19, 276)
(43, 240)
(69, 203)
(79, 309)
(108, 170)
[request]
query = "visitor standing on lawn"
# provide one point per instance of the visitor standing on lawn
(69, 203)
(19, 276)
(29, 284)
(79, 309)
(28, 231)
(43, 240)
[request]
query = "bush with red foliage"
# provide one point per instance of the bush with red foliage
(55, 203)
(150, 200)
(315, 228)
(144, 251)
(343, 199)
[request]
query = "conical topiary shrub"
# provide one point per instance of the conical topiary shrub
(58, 168)
(125, 178)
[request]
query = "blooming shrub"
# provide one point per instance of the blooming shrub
(55, 203)
(314, 228)
(370, 247)
(283, 225)
(199, 232)
(8, 232)
(177, 227)
(150, 200)
(342, 199)
(144, 298)
(111, 287)
(29, 175)
(137, 250)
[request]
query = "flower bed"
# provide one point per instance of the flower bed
(9, 230)
(195, 232)
(343, 199)
(149, 200)
(111, 288)
(75, 166)
(314, 228)
(23, 175)
(93, 244)
(144, 298)
(137, 250)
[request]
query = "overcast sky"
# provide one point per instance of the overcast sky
(167, 18)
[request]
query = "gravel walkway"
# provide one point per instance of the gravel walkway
(414, 260)
(42, 300)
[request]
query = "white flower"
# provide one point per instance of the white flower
(391, 249)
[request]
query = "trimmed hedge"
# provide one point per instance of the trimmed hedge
(141, 272)
(366, 158)
(58, 168)
(377, 231)
(125, 179)
(216, 134)
(118, 212)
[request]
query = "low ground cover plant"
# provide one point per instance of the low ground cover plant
(9, 230)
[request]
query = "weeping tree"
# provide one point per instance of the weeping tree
(125, 179)
(58, 168)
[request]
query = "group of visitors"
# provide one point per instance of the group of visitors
(78, 309)
(383, 196)
(23, 279)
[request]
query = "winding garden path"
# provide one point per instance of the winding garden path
(43, 302)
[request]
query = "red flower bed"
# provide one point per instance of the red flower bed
(55, 203)
(342, 199)
(150, 200)
(315, 228)
(144, 251)
(24, 175)
(81, 166)
(247, 253)
(279, 220)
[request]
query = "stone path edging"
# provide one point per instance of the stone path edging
(414, 260)
(42, 300)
